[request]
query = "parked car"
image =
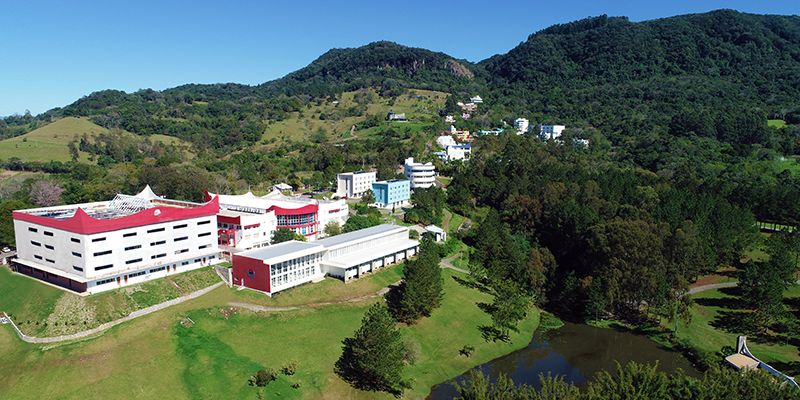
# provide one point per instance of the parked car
(6, 250)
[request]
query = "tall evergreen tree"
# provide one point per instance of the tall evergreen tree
(374, 358)
(422, 288)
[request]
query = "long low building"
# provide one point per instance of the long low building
(347, 256)
(94, 247)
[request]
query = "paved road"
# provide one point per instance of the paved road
(715, 286)
(699, 289)
(446, 263)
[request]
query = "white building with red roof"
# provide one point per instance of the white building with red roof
(248, 222)
(94, 247)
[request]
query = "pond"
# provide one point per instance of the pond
(576, 353)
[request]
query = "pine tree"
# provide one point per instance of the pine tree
(374, 358)
(422, 288)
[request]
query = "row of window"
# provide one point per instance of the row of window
(135, 274)
(292, 220)
(291, 277)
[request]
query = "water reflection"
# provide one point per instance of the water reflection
(576, 353)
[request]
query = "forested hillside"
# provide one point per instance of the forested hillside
(632, 78)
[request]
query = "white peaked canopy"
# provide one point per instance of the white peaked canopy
(148, 194)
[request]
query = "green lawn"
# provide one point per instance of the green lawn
(718, 317)
(156, 356)
(778, 123)
(42, 310)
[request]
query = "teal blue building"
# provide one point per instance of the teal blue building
(392, 193)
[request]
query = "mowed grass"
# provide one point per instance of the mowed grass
(156, 356)
(719, 317)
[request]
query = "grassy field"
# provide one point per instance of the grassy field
(42, 310)
(50, 141)
(301, 127)
(778, 123)
(165, 355)
(719, 317)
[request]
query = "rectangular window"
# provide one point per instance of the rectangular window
(212, 257)
(37, 257)
(76, 254)
(138, 246)
(102, 267)
(129, 234)
(197, 260)
(102, 253)
(179, 226)
(156, 230)
(181, 238)
(133, 261)
(137, 274)
(204, 222)
(98, 239)
(185, 263)
(33, 230)
(75, 240)
(157, 269)
(204, 234)
(158, 256)
(46, 233)
(181, 251)
(50, 261)
(104, 281)
(205, 246)
(77, 268)
(48, 247)
(160, 242)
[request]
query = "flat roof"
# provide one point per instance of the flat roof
(358, 235)
(281, 250)
(363, 256)
(740, 361)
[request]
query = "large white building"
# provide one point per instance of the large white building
(421, 175)
(550, 131)
(455, 152)
(248, 222)
(94, 247)
(522, 125)
(347, 256)
(354, 184)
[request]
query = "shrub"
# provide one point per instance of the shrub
(263, 377)
(290, 368)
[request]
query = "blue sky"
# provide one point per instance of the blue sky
(54, 52)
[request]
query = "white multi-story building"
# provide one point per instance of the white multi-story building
(421, 175)
(547, 132)
(248, 222)
(522, 125)
(455, 152)
(94, 247)
(445, 140)
(354, 184)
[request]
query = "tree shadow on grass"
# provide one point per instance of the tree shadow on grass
(791, 368)
(736, 322)
(725, 303)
